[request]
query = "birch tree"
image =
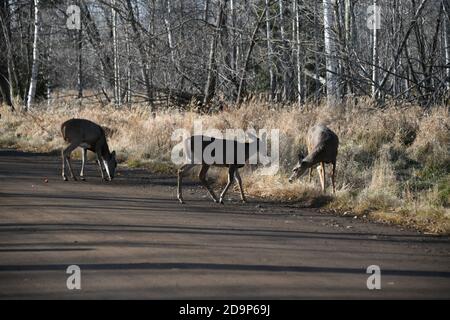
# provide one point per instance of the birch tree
(272, 79)
(374, 26)
(117, 88)
(446, 7)
(35, 66)
(330, 53)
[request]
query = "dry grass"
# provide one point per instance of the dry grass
(393, 165)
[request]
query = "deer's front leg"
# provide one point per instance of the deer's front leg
(66, 157)
(100, 166)
(182, 171)
(83, 162)
(63, 165)
(231, 172)
(202, 177)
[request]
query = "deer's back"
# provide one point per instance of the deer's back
(227, 152)
(82, 131)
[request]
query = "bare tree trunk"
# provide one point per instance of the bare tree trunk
(375, 51)
(349, 43)
(107, 74)
(35, 67)
(129, 63)
(247, 57)
(6, 87)
(272, 78)
(142, 52)
(117, 88)
(298, 54)
(402, 44)
(316, 52)
(80, 63)
(233, 45)
(286, 95)
(206, 11)
(396, 22)
(446, 6)
(48, 67)
(210, 86)
(330, 52)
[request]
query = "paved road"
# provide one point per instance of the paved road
(131, 239)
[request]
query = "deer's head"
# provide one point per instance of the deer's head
(300, 168)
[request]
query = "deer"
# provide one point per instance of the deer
(322, 144)
(238, 152)
(89, 136)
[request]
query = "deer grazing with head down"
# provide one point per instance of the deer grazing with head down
(89, 136)
(232, 154)
(322, 146)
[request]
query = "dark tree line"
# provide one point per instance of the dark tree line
(172, 52)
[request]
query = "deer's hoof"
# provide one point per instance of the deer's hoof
(82, 178)
(65, 178)
(221, 201)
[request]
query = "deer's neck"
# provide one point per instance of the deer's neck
(312, 158)
(106, 154)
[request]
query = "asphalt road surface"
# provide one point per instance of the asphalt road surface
(132, 239)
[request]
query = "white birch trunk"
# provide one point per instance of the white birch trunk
(35, 66)
(375, 52)
(298, 55)
(117, 93)
(284, 55)
(330, 52)
(447, 42)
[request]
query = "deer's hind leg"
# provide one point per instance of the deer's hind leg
(231, 174)
(321, 171)
(333, 178)
(237, 176)
(202, 176)
(323, 180)
(66, 157)
(63, 166)
(182, 171)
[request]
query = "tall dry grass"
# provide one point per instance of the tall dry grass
(393, 164)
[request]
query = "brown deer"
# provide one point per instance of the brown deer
(236, 155)
(89, 136)
(322, 146)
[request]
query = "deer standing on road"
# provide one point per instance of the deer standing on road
(238, 152)
(89, 136)
(322, 146)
